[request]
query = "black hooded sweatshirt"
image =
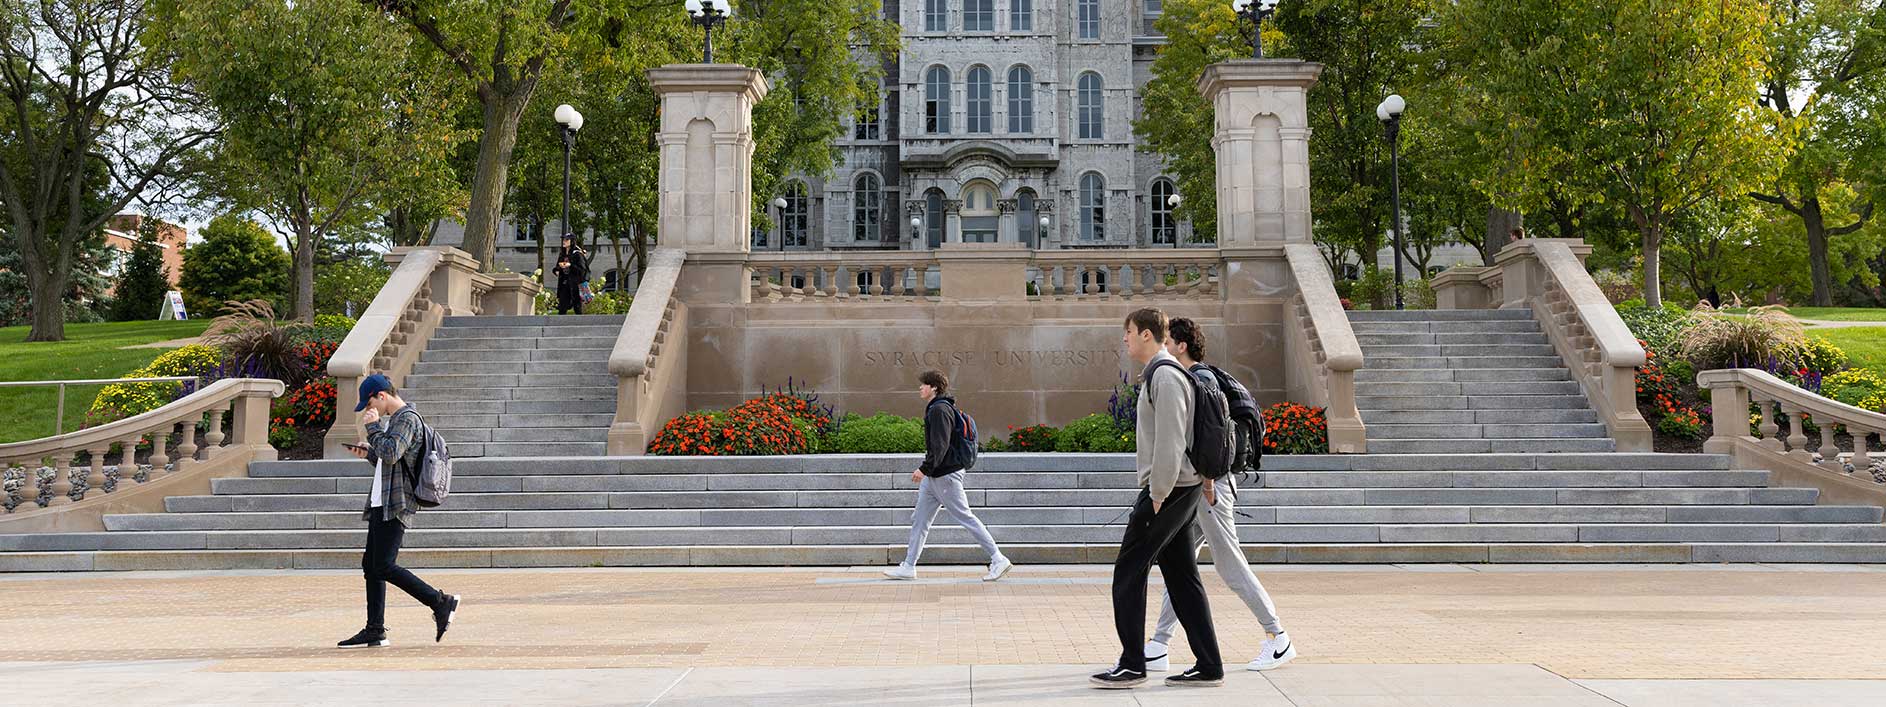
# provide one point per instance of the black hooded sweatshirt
(939, 431)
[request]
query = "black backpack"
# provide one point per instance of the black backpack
(1214, 438)
(1248, 419)
(964, 443)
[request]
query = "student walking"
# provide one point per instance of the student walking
(572, 271)
(1161, 527)
(940, 480)
(394, 445)
(1218, 524)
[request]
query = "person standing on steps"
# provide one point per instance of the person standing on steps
(394, 446)
(940, 480)
(572, 271)
(1217, 522)
(1161, 526)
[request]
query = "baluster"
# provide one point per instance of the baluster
(1080, 283)
(1771, 432)
(1124, 286)
(61, 478)
(830, 290)
(1159, 280)
(1862, 462)
(1057, 282)
(160, 439)
(1830, 455)
(922, 273)
(786, 274)
(95, 474)
(128, 459)
(186, 444)
(1797, 435)
(214, 436)
(878, 275)
(851, 282)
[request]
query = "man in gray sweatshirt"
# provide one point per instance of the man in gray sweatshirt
(1161, 527)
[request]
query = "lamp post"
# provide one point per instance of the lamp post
(1044, 231)
(570, 121)
(779, 215)
(1255, 11)
(709, 14)
(1174, 201)
(916, 230)
(1389, 112)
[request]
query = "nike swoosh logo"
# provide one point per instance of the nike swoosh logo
(1280, 654)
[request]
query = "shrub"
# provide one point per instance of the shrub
(879, 434)
(282, 436)
(1659, 327)
(1858, 387)
(1682, 422)
(354, 281)
(251, 339)
(1123, 407)
(995, 444)
(1094, 433)
(1376, 288)
(1034, 438)
(1821, 356)
(121, 400)
(1619, 287)
(755, 427)
(1418, 294)
(237, 260)
(1290, 428)
(281, 424)
(312, 404)
(605, 302)
(1766, 337)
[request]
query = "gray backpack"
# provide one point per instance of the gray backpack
(434, 482)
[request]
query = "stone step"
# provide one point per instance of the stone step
(598, 367)
(449, 397)
(525, 332)
(436, 356)
(1432, 339)
(1115, 498)
(1373, 418)
(1476, 388)
(566, 343)
(1301, 515)
(1461, 375)
(1484, 432)
(614, 320)
(1463, 362)
(492, 381)
(1470, 402)
(519, 407)
(473, 450)
(456, 436)
(1457, 350)
(1043, 464)
(1491, 446)
(465, 485)
(1527, 326)
(519, 420)
(1436, 315)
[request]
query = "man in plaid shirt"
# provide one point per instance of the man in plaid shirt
(395, 443)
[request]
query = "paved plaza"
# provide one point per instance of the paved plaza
(1370, 635)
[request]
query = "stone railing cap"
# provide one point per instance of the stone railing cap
(1763, 381)
(1261, 72)
(709, 77)
(197, 403)
(1341, 352)
(629, 357)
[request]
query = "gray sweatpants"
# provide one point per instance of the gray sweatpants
(1218, 526)
(946, 493)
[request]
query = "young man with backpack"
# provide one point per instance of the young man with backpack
(950, 450)
(396, 445)
(1217, 521)
(1161, 527)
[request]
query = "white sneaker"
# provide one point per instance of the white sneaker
(901, 572)
(999, 567)
(1274, 652)
(1158, 659)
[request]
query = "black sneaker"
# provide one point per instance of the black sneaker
(442, 615)
(1194, 678)
(367, 638)
(1118, 679)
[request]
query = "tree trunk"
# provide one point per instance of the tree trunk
(1653, 264)
(1812, 218)
(304, 272)
(502, 113)
(1500, 225)
(48, 292)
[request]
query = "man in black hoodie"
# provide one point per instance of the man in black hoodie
(940, 481)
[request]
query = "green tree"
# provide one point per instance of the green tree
(140, 293)
(1641, 102)
(1825, 83)
(237, 260)
(92, 123)
(348, 281)
(310, 93)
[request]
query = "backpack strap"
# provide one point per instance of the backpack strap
(1162, 363)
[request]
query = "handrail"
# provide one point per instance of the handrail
(637, 339)
(1841, 478)
(1615, 340)
(1338, 339)
(1327, 353)
(354, 357)
(99, 381)
(427, 284)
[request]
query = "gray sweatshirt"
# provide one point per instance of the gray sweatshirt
(1165, 429)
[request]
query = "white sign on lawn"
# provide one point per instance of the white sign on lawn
(173, 306)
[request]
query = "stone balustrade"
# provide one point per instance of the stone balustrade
(886, 276)
(1322, 348)
(101, 461)
(963, 269)
(650, 357)
(1074, 275)
(1796, 459)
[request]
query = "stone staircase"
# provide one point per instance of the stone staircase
(567, 511)
(519, 386)
(1458, 381)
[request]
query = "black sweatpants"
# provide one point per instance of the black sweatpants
(380, 564)
(1169, 538)
(568, 297)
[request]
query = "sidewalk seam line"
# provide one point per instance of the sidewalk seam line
(1581, 686)
(671, 686)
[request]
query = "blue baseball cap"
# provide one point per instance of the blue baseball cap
(370, 386)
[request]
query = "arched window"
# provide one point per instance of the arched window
(979, 100)
(1165, 227)
(933, 217)
(867, 222)
(1021, 99)
(867, 125)
(1025, 219)
(1093, 207)
(1090, 107)
(795, 220)
(936, 15)
(1087, 18)
(978, 15)
(936, 101)
(980, 219)
(1021, 16)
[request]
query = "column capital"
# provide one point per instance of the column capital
(1257, 72)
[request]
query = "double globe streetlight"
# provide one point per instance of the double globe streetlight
(1389, 112)
(569, 121)
(1255, 11)
(709, 14)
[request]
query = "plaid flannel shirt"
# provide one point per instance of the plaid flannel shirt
(397, 440)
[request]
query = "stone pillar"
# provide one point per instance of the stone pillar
(706, 173)
(451, 279)
(1262, 138)
(511, 294)
(1007, 229)
(952, 221)
(918, 241)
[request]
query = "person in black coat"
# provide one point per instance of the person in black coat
(572, 271)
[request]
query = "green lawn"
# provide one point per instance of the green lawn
(1832, 314)
(1865, 346)
(89, 351)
